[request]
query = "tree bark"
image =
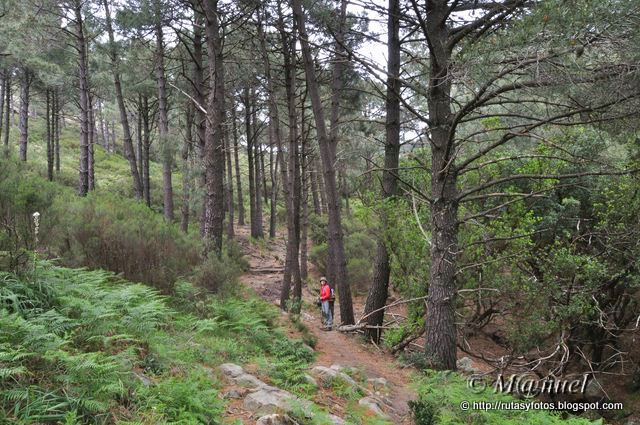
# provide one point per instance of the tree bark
(237, 166)
(259, 227)
(327, 142)
(304, 173)
(56, 128)
(127, 142)
(313, 178)
(214, 143)
(3, 90)
(186, 148)
(83, 185)
(91, 158)
(378, 292)
(440, 325)
(7, 115)
(229, 185)
(146, 121)
(49, 123)
(163, 122)
(24, 112)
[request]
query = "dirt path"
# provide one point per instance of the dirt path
(265, 277)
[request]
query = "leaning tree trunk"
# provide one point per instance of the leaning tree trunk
(83, 185)
(128, 143)
(337, 259)
(214, 143)
(24, 113)
(440, 325)
(163, 125)
(378, 292)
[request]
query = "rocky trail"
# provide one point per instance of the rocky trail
(389, 384)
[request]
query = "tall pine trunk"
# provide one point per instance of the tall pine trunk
(440, 324)
(237, 166)
(49, 132)
(214, 143)
(83, 77)
(7, 115)
(229, 185)
(378, 292)
(186, 148)
(24, 112)
(337, 260)
(163, 123)
(128, 142)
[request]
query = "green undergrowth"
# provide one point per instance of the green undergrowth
(79, 346)
(441, 395)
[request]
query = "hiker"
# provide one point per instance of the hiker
(325, 300)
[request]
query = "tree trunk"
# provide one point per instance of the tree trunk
(273, 173)
(321, 188)
(214, 143)
(313, 178)
(199, 91)
(186, 147)
(127, 142)
(378, 292)
(146, 120)
(440, 325)
(163, 123)
(337, 259)
(237, 166)
(229, 185)
(50, 147)
(7, 115)
(83, 186)
(304, 172)
(258, 177)
(56, 128)
(3, 91)
(24, 113)
(91, 159)
(140, 144)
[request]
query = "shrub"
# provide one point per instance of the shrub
(216, 274)
(124, 236)
(21, 195)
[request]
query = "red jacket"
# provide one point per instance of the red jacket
(325, 292)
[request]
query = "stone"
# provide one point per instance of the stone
(336, 420)
(378, 384)
(230, 369)
(465, 364)
(276, 419)
(327, 374)
(234, 393)
(268, 399)
(310, 380)
(373, 406)
(236, 374)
